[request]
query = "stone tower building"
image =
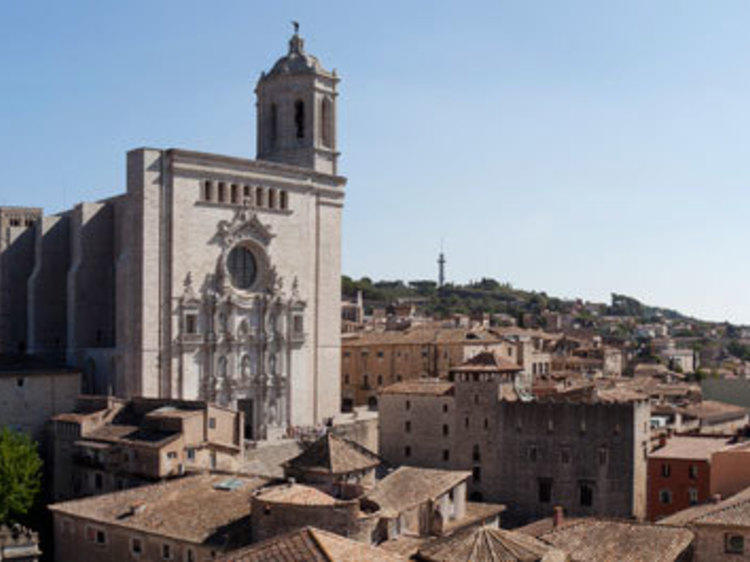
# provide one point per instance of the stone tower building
(211, 277)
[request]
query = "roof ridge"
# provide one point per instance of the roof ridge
(312, 533)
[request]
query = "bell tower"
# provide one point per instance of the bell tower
(296, 111)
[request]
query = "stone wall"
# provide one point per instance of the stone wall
(76, 539)
(269, 519)
(571, 447)
(29, 399)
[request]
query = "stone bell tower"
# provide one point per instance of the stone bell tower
(296, 111)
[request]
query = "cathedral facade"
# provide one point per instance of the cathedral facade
(211, 277)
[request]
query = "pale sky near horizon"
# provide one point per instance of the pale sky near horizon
(578, 147)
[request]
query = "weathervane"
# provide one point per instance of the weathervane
(296, 26)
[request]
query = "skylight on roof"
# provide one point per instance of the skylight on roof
(229, 485)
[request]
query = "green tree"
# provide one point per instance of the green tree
(20, 474)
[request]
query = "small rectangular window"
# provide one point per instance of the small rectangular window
(693, 496)
(407, 427)
(166, 551)
(208, 191)
(734, 544)
(101, 537)
(445, 429)
(446, 454)
(298, 324)
(586, 495)
(407, 451)
(212, 423)
(476, 473)
(191, 454)
(665, 470)
(693, 471)
(222, 192)
(545, 490)
(283, 200)
(234, 194)
(408, 405)
(665, 497)
(191, 323)
(258, 196)
(136, 547)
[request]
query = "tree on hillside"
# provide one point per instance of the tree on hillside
(20, 474)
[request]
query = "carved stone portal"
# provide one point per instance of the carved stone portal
(244, 338)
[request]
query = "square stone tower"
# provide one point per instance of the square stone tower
(296, 111)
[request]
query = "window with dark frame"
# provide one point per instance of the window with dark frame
(545, 490)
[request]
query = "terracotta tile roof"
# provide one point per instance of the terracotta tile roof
(734, 510)
(712, 410)
(334, 455)
(114, 433)
(409, 486)
(310, 545)
(191, 509)
(297, 494)
(422, 336)
(476, 513)
(686, 447)
(405, 545)
(487, 362)
(489, 544)
(589, 539)
(427, 387)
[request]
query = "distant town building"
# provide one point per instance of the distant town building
(370, 361)
(109, 444)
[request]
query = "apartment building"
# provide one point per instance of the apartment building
(109, 444)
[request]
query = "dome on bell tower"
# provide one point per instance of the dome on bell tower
(296, 61)
(296, 111)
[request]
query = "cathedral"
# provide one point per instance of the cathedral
(212, 277)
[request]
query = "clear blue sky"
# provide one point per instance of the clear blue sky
(576, 147)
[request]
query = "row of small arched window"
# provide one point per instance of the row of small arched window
(236, 194)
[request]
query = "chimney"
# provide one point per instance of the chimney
(716, 498)
(558, 516)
